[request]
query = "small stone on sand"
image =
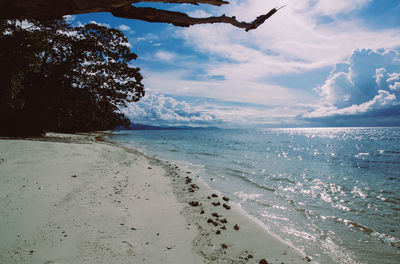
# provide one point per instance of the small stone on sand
(227, 207)
(194, 203)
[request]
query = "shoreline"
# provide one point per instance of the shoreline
(131, 207)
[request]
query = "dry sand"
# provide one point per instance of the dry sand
(72, 199)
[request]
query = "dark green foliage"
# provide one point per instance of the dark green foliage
(58, 78)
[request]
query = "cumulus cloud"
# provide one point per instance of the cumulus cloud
(158, 109)
(255, 116)
(367, 84)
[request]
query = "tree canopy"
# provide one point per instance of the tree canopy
(61, 78)
(50, 9)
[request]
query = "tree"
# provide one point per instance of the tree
(64, 79)
(50, 9)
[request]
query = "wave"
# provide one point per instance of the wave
(284, 179)
(242, 163)
(392, 151)
(174, 150)
(384, 238)
(241, 175)
(253, 197)
(387, 239)
(234, 172)
(208, 154)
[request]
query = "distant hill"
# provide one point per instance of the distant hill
(148, 127)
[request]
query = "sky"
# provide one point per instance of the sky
(314, 63)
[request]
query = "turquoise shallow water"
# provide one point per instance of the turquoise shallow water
(332, 192)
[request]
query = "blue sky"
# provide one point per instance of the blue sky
(314, 63)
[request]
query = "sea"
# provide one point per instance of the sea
(333, 193)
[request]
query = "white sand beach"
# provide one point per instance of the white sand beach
(72, 199)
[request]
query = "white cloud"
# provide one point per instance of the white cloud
(245, 116)
(294, 33)
(366, 83)
(150, 37)
(164, 56)
(292, 40)
(338, 6)
(126, 29)
(238, 89)
(199, 13)
(158, 109)
(100, 24)
(383, 100)
(127, 44)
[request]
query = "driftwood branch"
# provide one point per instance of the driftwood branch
(50, 9)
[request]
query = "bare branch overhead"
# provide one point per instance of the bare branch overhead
(50, 9)
(194, 2)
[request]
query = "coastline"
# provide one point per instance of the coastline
(91, 201)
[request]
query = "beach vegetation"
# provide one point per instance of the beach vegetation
(60, 78)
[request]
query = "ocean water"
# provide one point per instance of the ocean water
(334, 193)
